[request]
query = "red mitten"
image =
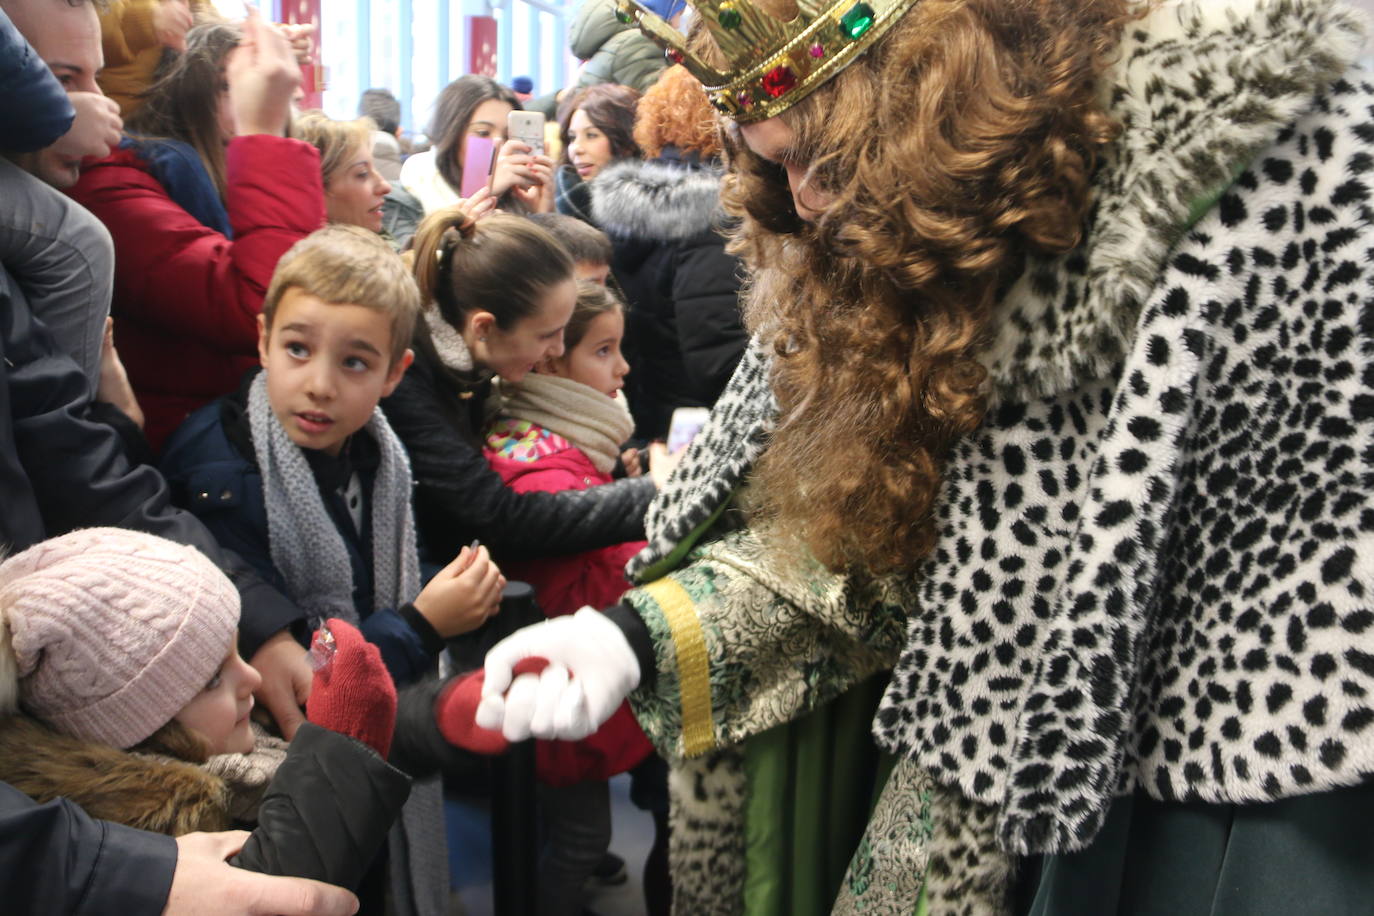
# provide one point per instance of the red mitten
(456, 709)
(352, 693)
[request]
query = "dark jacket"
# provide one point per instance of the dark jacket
(684, 334)
(458, 497)
(60, 470)
(54, 858)
(324, 814)
(34, 109)
(213, 470)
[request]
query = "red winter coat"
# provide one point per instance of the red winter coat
(186, 298)
(562, 585)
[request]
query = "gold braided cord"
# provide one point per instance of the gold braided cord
(693, 664)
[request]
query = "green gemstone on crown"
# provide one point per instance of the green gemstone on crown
(858, 20)
(625, 16)
(729, 17)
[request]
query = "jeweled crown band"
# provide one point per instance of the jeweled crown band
(772, 64)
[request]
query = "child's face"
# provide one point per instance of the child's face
(511, 354)
(327, 367)
(219, 713)
(596, 361)
(595, 271)
(355, 192)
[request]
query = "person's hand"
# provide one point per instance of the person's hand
(172, 19)
(519, 167)
(263, 74)
(94, 131)
(479, 206)
(591, 670)
(114, 387)
(353, 693)
(662, 463)
(463, 594)
(286, 679)
(630, 459)
(301, 37)
(204, 884)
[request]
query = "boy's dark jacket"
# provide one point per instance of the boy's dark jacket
(212, 469)
(324, 815)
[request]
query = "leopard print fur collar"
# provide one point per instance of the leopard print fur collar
(1200, 87)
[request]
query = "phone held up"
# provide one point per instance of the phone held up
(479, 154)
(528, 128)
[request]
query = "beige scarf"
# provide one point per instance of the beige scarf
(594, 423)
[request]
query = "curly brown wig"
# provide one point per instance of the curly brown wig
(962, 142)
(674, 112)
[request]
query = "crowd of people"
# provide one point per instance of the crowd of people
(1024, 564)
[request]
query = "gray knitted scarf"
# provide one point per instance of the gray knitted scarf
(307, 548)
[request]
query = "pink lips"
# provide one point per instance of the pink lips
(314, 422)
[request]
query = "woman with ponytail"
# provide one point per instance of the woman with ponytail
(497, 294)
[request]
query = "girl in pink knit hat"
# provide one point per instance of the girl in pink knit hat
(121, 688)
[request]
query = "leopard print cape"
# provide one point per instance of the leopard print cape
(1160, 578)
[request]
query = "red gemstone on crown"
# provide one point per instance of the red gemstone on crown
(779, 80)
(818, 50)
(674, 55)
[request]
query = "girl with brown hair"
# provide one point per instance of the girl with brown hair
(477, 106)
(1039, 293)
(497, 294)
(596, 126)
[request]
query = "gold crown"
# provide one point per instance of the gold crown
(772, 64)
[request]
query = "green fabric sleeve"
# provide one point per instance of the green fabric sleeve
(777, 642)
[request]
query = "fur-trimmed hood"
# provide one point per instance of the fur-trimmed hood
(659, 200)
(154, 793)
(162, 793)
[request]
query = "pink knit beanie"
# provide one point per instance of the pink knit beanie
(107, 633)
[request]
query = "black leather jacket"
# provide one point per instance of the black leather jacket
(459, 498)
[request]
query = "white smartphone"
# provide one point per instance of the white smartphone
(528, 128)
(686, 423)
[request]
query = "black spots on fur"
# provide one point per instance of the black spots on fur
(1308, 182)
(1362, 662)
(1014, 460)
(1269, 745)
(1196, 267)
(1359, 163)
(1175, 302)
(1173, 400)
(1346, 272)
(1314, 711)
(1349, 192)
(1331, 754)
(1231, 210)
(1324, 139)
(1275, 218)
(1157, 351)
(1114, 513)
(1337, 566)
(1358, 719)
(1357, 622)
(1279, 171)
(1145, 429)
(1278, 697)
(1263, 257)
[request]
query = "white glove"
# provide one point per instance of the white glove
(592, 669)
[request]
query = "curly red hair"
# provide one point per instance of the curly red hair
(674, 112)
